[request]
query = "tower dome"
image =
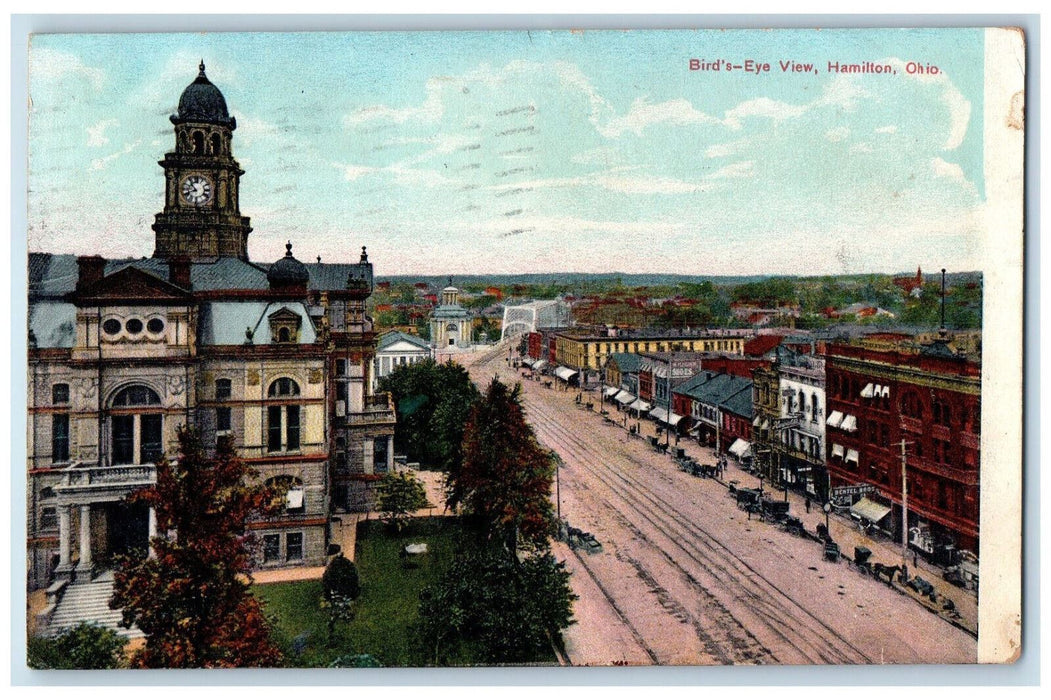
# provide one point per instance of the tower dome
(288, 271)
(202, 102)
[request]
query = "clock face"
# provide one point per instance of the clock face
(197, 190)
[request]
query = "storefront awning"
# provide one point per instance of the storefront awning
(611, 391)
(870, 510)
(640, 406)
(850, 423)
(624, 397)
(539, 365)
(666, 417)
(564, 373)
(741, 448)
(834, 419)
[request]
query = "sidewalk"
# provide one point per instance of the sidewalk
(842, 529)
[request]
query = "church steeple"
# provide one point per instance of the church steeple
(201, 217)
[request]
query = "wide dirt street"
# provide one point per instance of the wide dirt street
(684, 577)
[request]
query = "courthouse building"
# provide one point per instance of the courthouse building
(275, 357)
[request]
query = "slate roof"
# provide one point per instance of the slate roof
(55, 275)
(392, 337)
(53, 324)
(739, 403)
(627, 362)
(224, 322)
(713, 389)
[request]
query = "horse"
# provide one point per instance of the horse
(879, 570)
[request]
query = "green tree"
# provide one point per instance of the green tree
(508, 612)
(433, 401)
(86, 646)
(192, 599)
(504, 485)
(341, 578)
(399, 495)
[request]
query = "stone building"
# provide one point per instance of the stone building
(274, 357)
(450, 322)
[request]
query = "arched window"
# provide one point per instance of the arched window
(815, 408)
(284, 335)
(802, 401)
(282, 421)
(216, 144)
(283, 387)
(198, 143)
(136, 426)
(60, 424)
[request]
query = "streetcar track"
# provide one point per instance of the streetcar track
(675, 523)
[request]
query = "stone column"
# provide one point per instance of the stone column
(63, 537)
(152, 531)
(85, 541)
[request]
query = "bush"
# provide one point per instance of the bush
(86, 646)
(341, 579)
(400, 495)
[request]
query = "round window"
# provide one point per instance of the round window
(133, 325)
(111, 326)
(155, 325)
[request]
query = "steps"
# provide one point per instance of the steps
(89, 602)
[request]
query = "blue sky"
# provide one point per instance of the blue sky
(508, 152)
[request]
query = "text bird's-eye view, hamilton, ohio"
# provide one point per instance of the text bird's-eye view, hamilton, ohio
(489, 348)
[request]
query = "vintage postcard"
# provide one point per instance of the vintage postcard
(578, 348)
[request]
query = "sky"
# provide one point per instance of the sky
(514, 152)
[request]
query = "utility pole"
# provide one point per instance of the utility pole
(904, 511)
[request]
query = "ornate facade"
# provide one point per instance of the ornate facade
(275, 358)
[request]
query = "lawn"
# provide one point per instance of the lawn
(386, 610)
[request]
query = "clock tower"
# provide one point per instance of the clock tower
(201, 217)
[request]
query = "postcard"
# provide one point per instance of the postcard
(556, 348)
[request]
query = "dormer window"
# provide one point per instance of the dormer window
(284, 326)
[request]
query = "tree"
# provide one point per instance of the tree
(433, 401)
(504, 485)
(86, 646)
(509, 612)
(399, 495)
(192, 599)
(341, 578)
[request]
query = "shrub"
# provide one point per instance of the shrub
(341, 579)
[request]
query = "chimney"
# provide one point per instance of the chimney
(179, 271)
(90, 269)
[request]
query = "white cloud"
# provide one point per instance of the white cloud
(643, 114)
(889, 129)
(430, 110)
(648, 185)
(861, 147)
(97, 133)
(762, 107)
(104, 161)
(844, 92)
(958, 106)
(839, 133)
(49, 65)
(722, 150)
(740, 169)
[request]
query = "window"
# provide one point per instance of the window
(284, 335)
(222, 419)
(222, 389)
(111, 326)
(155, 325)
(294, 546)
(48, 518)
(271, 548)
(284, 387)
(283, 433)
(379, 455)
(136, 427)
(341, 368)
(133, 325)
(60, 394)
(60, 437)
